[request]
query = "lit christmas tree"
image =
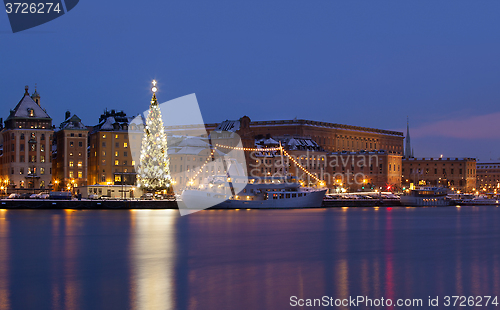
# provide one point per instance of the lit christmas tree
(153, 172)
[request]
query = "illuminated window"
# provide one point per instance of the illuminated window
(42, 148)
(133, 163)
(42, 170)
(103, 162)
(70, 153)
(117, 162)
(104, 136)
(116, 136)
(71, 164)
(125, 144)
(80, 164)
(79, 153)
(42, 159)
(71, 174)
(80, 174)
(116, 153)
(71, 143)
(118, 178)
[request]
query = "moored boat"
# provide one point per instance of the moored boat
(428, 196)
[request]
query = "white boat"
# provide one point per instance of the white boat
(478, 201)
(429, 196)
(259, 193)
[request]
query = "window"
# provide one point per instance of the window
(117, 136)
(103, 153)
(133, 163)
(42, 137)
(71, 164)
(79, 153)
(103, 162)
(42, 158)
(125, 144)
(12, 136)
(71, 175)
(33, 147)
(33, 159)
(72, 135)
(70, 153)
(31, 112)
(42, 148)
(21, 158)
(125, 154)
(117, 162)
(104, 136)
(104, 144)
(42, 170)
(80, 174)
(22, 136)
(71, 143)
(118, 178)
(21, 170)
(12, 170)
(116, 154)
(80, 135)
(117, 144)
(80, 164)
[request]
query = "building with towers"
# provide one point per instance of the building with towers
(25, 160)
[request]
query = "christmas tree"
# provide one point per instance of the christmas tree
(153, 172)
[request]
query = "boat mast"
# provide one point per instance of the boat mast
(282, 161)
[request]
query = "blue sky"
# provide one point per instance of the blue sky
(367, 63)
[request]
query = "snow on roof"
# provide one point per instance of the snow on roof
(24, 107)
(194, 141)
(108, 124)
(191, 150)
(228, 125)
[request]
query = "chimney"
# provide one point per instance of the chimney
(26, 90)
(68, 114)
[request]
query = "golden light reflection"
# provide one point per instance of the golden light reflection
(153, 257)
(4, 262)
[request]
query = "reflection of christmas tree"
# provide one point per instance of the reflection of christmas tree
(154, 171)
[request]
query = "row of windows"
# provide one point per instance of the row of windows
(452, 171)
(29, 170)
(31, 159)
(32, 147)
(117, 144)
(32, 136)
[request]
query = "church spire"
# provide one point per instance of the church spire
(408, 149)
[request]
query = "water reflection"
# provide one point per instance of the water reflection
(153, 253)
(4, 262)
(243, 259)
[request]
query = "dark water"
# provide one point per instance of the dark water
(245, 259)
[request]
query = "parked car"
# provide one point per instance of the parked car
(43, 196)
(14, 196)
(34, 196)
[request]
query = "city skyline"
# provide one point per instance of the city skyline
(368, 65)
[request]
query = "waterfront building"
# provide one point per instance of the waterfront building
(26, 138)
(69, 154)
(110, 155)
(330, 136)
(456, 173)
(488, 177)
(348, 171)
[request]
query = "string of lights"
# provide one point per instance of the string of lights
(274, 149)
(202, 166)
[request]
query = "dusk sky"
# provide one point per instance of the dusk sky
(365, 63)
